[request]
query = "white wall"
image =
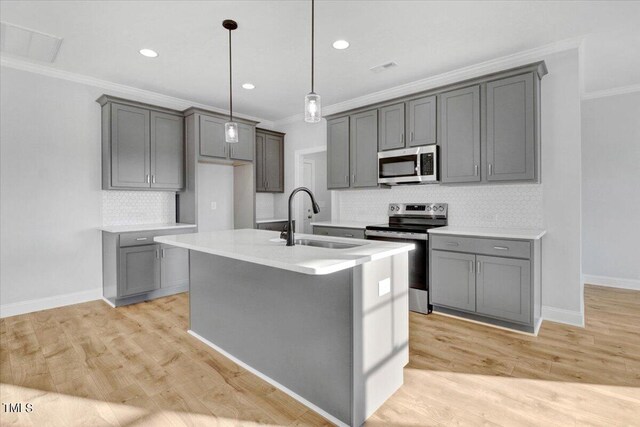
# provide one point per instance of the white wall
(611, 190)
(556, 201)
(215, 185)
(51, 195)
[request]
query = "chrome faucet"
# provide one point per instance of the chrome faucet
(288, 233)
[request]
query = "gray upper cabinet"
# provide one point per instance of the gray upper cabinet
(504, 288)
(364, 149)
(452, 280)
(244, 148)
(421, 121)
(130, 161)
(142, 146)
(212, 140)
(460, 131)
(511, 129)
(392, 136)
(174, 266)
(269, 161)
(167, 151)
(139, 270)
(338, 153)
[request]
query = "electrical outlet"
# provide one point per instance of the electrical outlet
(214, 206)
(384, 286)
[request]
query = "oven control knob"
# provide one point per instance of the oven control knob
(397, 207)
(393, 208)
(441, 208)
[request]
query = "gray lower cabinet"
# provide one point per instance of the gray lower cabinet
(504, 288)
(460, 135)
(453, 281)
(269, 161)
(421, 121)
(142, 146)
(364, 149)
(392, 124)
(135, 269)
(488, 279)
(352, 233)
(511, 133)
(275, 226)
(338, 153)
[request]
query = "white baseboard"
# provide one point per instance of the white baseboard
(611, 282)
(23, 307)
(560, 315)
(271, 381)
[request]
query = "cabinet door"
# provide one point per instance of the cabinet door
(174, 266)
(504, 288)
(244, 149)
(139, 270)
(130, 147)
(338, 153)
(261, 183)
(453, 280)
(273, 159)
(212, 142)
(392, 127)
(460, 131)
(510, 129)
(421, 121)
(364, 149)
(167, 151)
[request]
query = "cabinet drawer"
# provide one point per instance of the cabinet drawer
(498, 247)
(146, 237)
(352, 233)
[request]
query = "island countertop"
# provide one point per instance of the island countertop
(265, 248)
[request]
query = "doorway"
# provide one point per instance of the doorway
(314, 176)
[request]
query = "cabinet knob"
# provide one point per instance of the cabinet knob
(475, 170)
(490, 169)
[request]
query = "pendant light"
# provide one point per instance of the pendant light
(231, 127)
(312, 106)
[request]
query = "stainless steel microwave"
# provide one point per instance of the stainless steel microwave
(409, 166)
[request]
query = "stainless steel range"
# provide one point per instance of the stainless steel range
(409, 222)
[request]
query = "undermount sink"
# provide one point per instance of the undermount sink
(327, 244)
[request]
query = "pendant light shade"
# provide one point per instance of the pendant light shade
(312, 105)
(231, 127)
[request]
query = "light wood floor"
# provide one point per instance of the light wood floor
(90, 364)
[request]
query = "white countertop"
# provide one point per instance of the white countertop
(266, 221)
(265, 248)
(500, 233)
(343, 224)
(144, 227)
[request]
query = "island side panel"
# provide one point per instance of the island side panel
(294, 328)
(381, 332)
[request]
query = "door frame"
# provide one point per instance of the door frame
(298, 179)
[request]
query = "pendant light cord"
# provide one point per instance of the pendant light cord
(230, 82)
(313, 20)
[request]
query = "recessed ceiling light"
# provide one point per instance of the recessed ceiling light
(340, 44)
(149, 53)
(248, 86)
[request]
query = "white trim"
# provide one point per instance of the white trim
(612, 282)
(450, 77)
(149, 96)
(612, 92)
(23, 307)
(108, 302)
(271, 381)
(491, 325)
(561, 315)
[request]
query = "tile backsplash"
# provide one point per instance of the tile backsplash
(138, 207)
(265, 205)
(515, 206)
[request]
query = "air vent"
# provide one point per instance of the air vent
(27, 43)
(382, 67)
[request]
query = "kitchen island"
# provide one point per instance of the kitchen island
(325, 321)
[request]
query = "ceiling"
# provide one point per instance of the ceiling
(272, 44)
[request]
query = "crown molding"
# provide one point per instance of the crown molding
(623, 90)
(444, 79)
(149, 96)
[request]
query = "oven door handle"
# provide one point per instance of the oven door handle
(397, 235)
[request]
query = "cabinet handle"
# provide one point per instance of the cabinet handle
(490, 169)
(475, 170)
(147, 178)
(348, 235)
(453, 244)
(471, 266)
(479, 264)
(153, 179)
(163, 253)
(157, 254)
(353, 177)
(402, 137)
(501, 248)
(346, 179)
(141, 238)
(411, 136)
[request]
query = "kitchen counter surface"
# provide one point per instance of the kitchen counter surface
(343, 224)
(145, 227)
(266, 221)
(501, 233)
(265, 248)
